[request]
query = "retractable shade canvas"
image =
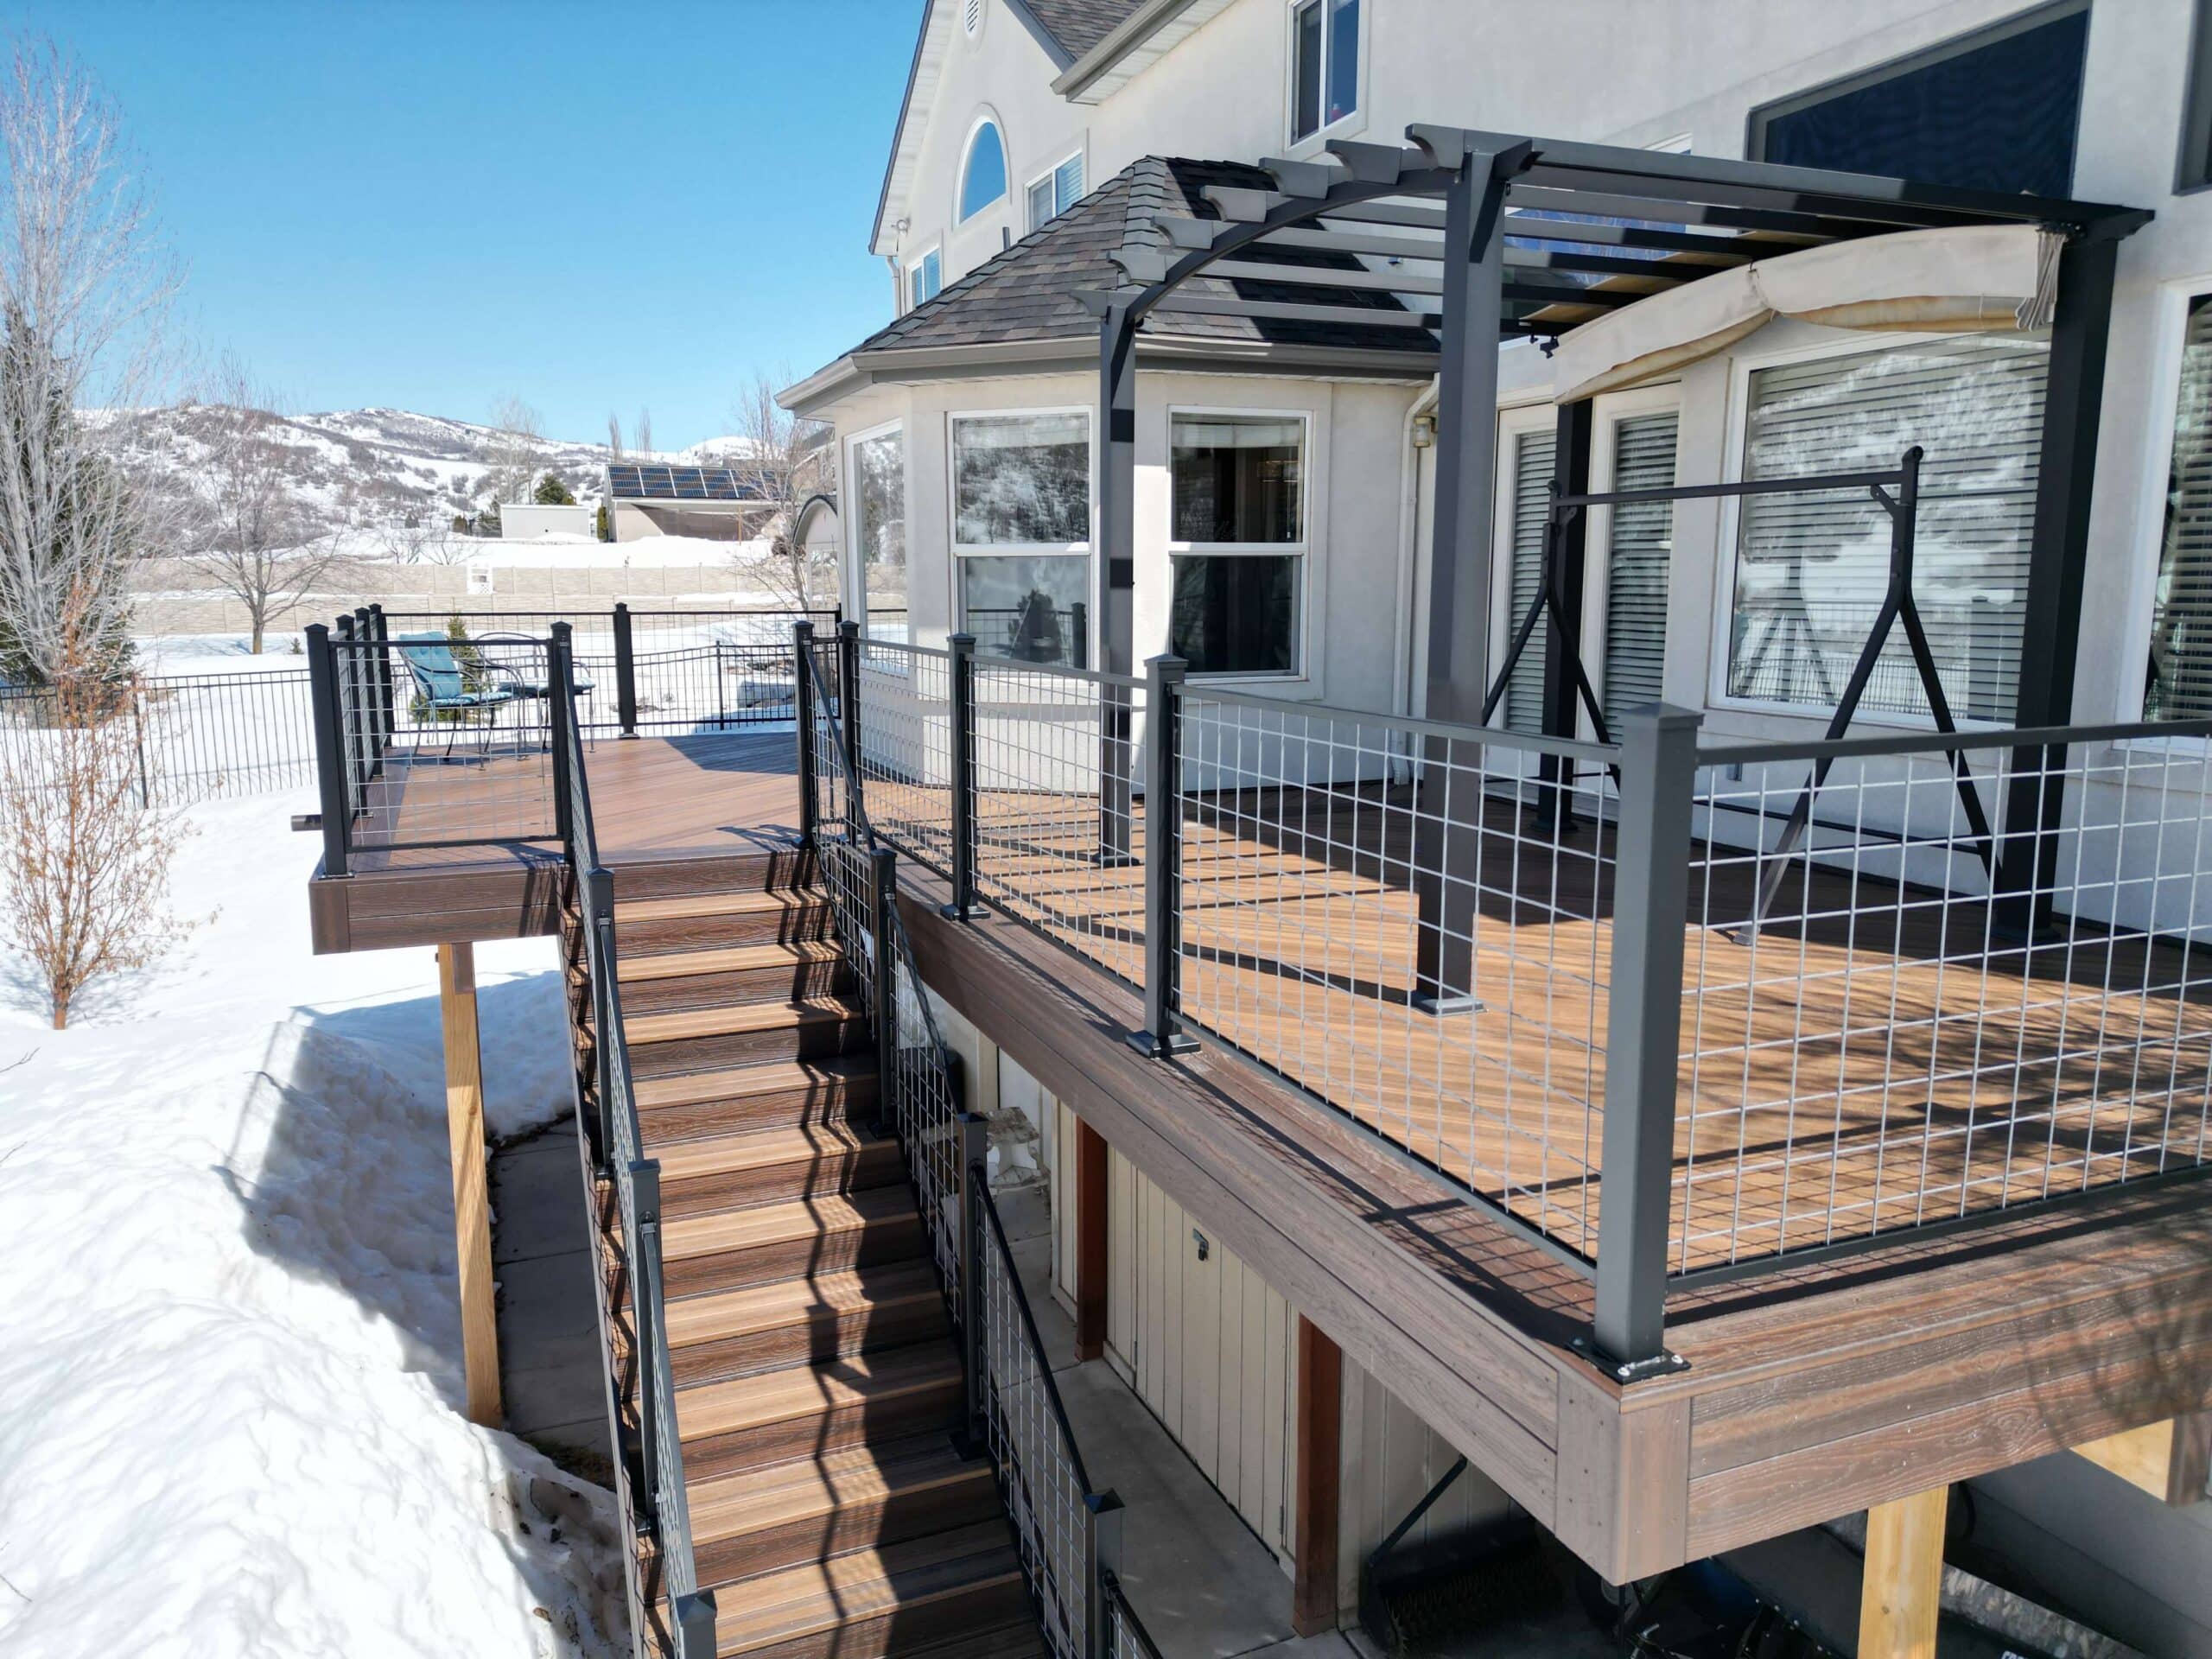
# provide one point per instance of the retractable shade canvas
(1951, 280)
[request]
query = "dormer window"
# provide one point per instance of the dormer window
(1324, 65)
(983, 175)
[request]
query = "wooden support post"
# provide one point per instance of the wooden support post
(1091, 1258)
(1904, 1587)
(2169, 1461)
(1321, 1435)
(472, 1204)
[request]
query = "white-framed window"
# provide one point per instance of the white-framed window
(1323, 65)
(924, 276)
(1237, 515)
(1631, 548)
(2177, 677)
(1051, 194)
(1020, 501)
(1527, 446)
(875, 579)
(982, 169)
(1807, 572)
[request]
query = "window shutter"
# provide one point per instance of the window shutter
(2180, 682)
(1532, 477)
(1810, 569)
(1638, 551)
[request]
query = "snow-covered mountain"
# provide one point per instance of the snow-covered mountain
(387, 466)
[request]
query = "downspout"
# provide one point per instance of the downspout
(1402, 665)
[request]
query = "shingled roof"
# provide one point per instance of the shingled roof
(1078, 25)
(1029, 292)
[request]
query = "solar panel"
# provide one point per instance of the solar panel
(638, 482)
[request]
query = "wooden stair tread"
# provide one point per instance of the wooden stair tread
(821, 1595)
(767, 1224)
(742, 1082)
(723, 959)
(734, 1505)
(740, 1017)
(720, 1154)
(861, 1380)
(719, 1315)
(736, 901)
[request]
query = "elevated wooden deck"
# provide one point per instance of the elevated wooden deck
(652, 798)
(1811, 1392)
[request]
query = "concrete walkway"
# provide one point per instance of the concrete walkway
(549, 1374)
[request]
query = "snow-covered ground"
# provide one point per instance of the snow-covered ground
(230, 1375)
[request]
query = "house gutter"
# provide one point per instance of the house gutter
(1132, 32)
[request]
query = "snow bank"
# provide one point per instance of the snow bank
(229, 1417)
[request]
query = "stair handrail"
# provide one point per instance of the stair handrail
(617, 1144)
(1104, 1624)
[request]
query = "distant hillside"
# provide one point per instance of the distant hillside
(387, 466)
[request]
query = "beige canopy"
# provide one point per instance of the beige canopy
(1999, 276)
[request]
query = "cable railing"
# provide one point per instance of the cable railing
(1795, 1000)
(654, 1478)
(1067, 1534)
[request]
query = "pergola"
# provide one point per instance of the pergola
(1482, 237)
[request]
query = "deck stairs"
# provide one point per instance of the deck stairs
(818, 1382)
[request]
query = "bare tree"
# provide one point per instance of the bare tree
(85, 287)
(516, 447)
(85, 852)
(641, 435)
(790, 463)
(253, 536)
(614, 435)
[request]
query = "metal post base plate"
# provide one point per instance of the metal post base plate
(1662, 1364)
(1453, 1002)
(1154, 1048)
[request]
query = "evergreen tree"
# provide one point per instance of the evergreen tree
(601, 528)
(552, 492)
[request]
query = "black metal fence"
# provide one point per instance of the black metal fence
(198, 736)
(1676, 1010)
(1067, 1533)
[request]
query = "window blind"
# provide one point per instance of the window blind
(1811, 568)
(1639, 548)
(1533, 453)
(2179, 685)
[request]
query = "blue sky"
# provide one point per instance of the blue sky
(433, 205)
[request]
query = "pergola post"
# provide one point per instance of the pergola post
(2050, 630)
(1114, 575)
(1459, 567)
(1570, 476)
(471, 1204)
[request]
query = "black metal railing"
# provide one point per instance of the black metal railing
(1677, 1011)
(650, 1464)
(1068, 1533)
(199, 736)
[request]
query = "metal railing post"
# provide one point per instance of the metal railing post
(848, 712)
(1163, 835)
(644, 1300)
(598, 916)
(803, 717)
(882, 894)
(560, 683)
(625, 672)
(347, 662)
(1101, 1561)
(1079, 632)
(962, 668)
(974, 1151)
(386, 724)
(1644, 1037)
(694, 1617)
(330, 781)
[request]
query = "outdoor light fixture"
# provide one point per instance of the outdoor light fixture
(1424, 431)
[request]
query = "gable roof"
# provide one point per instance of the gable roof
(1031, 294)
(1075, 26)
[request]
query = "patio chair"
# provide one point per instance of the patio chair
(524, 684)
(443, 686)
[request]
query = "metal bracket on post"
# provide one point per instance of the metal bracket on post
(1643, 1039)
(386, 722)
(972, 1134)
(1102, 1560)
(963, 671)
(803, 717)
(1163, 872)
(329, 742)
(625, 672)
(693, 1618)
